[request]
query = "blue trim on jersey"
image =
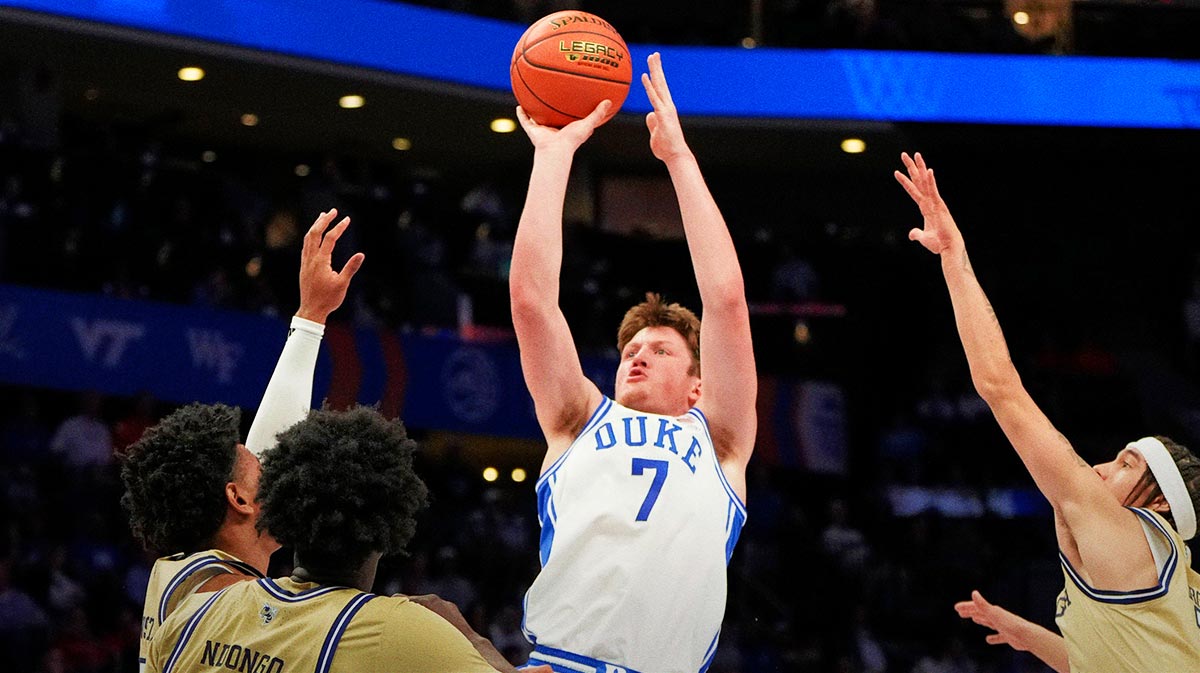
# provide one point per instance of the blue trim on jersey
(546, 517)
(244, 567)
(329, 648)
(699, 415)
(710, 652)
(188, 630)
(529, 635)
(1129, 597)
(194, 567)
(597, 415)
(555, 658)
(733, 530)
(294, 596)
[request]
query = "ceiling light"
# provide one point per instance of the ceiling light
(302, 170)
(518, 475)
(249, 119)
(1021, 18)
(191, 74)
(490, 474)
(401, 144)
(91, 94)
(854, 146)
(351, 101)
(504, 125)
(208, 157)
(749, 43)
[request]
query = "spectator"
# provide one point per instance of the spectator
(83, 440)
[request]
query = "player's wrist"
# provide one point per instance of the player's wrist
(315, 317)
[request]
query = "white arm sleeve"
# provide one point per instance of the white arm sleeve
(289, 393)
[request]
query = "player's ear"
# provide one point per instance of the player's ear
(694, 395)
(1159, 504)
(238, 499)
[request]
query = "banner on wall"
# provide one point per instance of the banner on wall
(432, 379)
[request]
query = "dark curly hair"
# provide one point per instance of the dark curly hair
(656, 312)
(340, 485)
(175, 477)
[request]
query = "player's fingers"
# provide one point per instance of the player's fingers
(996, 639)
(655, 101)
(916, 235)
(651, 122)
(978, 599)
(964, 608)
(527, 122)
(319, 225)
(908, 163)
(659, 78)
(597, 115)
(352, 266)
(933, 189)
(920, 162)
(332, 237)
(908, 186)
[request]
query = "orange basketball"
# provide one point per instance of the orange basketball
(565, 64)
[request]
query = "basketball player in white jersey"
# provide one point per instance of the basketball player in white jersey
(190, 486)
(641, 497)
(1126, 606)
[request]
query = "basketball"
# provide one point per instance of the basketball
(565, 64)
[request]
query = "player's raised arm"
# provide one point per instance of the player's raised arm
(563, 397)
(730, 384)
(288, 397)
(1075, 490)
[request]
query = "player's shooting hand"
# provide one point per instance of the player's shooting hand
(666, 135)
(940, 234)
(569, 137)
(322, 289)
(1010, 629)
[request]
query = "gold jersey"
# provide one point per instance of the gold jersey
(282, 626)
(173, 579)
(1154, 630)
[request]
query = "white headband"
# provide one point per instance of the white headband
(1166, 473)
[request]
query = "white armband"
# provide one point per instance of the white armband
(288, 397)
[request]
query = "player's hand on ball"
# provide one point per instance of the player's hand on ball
(940, 234)
(322, 289)
(1009, 628)
(666, 135)
(569, 137)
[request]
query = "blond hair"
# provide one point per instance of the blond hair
(655, 312)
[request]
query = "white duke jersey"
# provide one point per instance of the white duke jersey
(638, 524)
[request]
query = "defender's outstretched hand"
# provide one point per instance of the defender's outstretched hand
(666, 135)
(1010, 629)
(322, 289)
(569, 137)
(940, 234)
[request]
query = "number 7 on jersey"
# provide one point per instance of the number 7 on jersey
(640, 465)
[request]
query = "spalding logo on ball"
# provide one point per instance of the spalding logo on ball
(565, 64)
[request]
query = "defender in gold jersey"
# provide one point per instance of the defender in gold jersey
(1127, 606)
(340, 489)
(190, 486)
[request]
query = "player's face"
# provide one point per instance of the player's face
(654, 373)
(1122, 474)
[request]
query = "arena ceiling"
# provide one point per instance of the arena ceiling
(115, 74)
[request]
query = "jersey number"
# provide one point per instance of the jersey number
(640, 465)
